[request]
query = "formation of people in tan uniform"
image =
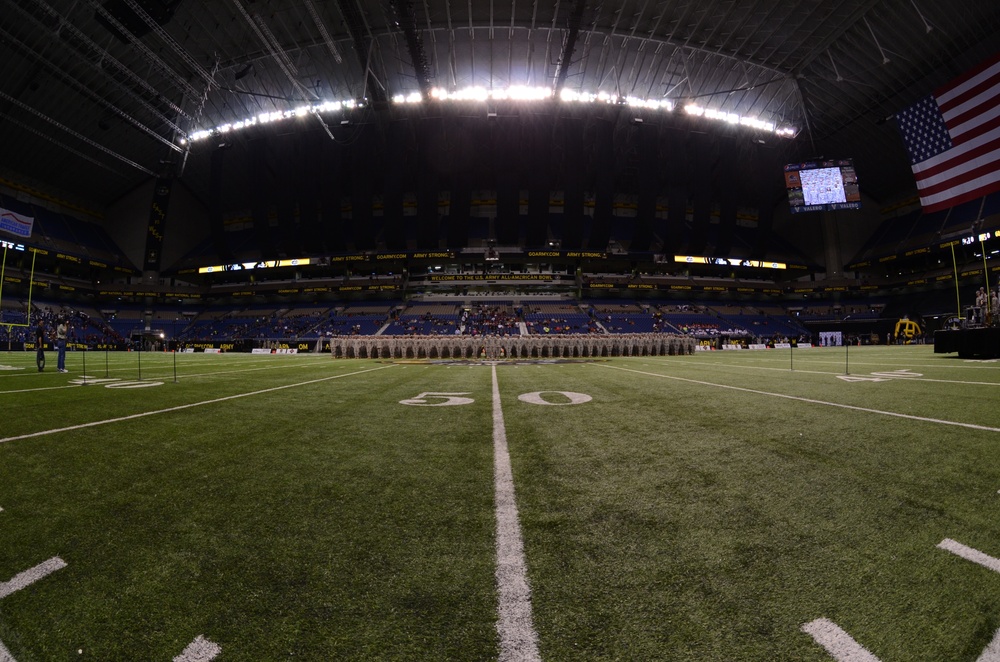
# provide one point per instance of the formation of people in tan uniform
(494, 348)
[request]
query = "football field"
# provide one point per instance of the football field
(745, 505)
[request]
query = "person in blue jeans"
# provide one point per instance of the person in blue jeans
(61, 330)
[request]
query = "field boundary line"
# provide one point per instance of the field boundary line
(710, 364)
(41, 388)
(159, 361)
(924, 419)
(181, 375)
(823, 372)
(840, 645)
(970, 554)
(992, 651)
(199, 650)
(518, 638)
(130, 417)
(30, 576)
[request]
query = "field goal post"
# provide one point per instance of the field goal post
(31, 284)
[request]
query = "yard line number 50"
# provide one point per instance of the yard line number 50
(442, 399)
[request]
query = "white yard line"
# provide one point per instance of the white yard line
(42, 388)
(518, 639)
(97, 364)
(31, 575)
(992, 652)
(923, 419)
(970, 554)
(147, 378)
(199, 650)
(708, 364)
(840, 645)
(824, 372)
(951, 381)
(5, 655)
(81, 426)
(128, 370)
(805, 358)
(180, 375)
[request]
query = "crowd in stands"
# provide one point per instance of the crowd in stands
(491, 319)
(82, 327)
(474, 318)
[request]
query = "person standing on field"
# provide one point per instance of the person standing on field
(61, 330)
(40, 345)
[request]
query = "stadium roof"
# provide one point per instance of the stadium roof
(97, 97)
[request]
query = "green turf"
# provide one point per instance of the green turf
(312, 516)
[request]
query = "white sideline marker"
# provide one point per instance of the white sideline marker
(970, 554)
(199, 650)
(840, 645)
(971, 426)
(31, 575)
(518, 639)
(22, 580)
(168, 410)
(992, 652)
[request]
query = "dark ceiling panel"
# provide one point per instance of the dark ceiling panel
(94, 115)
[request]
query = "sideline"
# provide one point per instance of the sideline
(971, 426)
(182, 407)
(840, 645)
(165, 377)
(41, 388)
(836, 374)
(156, 360)
(518, 638)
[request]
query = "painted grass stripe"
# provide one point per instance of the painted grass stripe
(41, 388)
(840, 645)
(199, 650)
(183, 407)
(970, 554)
(518, 639)
(130, 368)
(840, 405)
(31, 575)
(992, 652)
(5, 655)
(823, 372)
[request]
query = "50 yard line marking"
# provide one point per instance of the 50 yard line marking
(826, 403)
(187, 406)
(518, 639)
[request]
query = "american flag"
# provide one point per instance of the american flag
(953, 138)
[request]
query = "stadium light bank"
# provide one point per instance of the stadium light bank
(518, 93)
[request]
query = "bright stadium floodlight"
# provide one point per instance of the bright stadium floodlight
(476, 93)
(523, 93)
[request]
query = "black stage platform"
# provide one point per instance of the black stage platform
(981, 343)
